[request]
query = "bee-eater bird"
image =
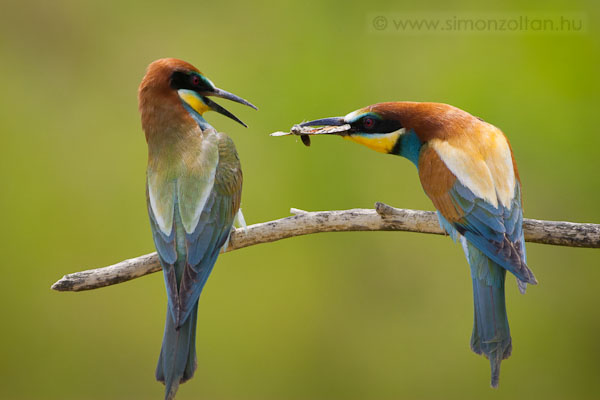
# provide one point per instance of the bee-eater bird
(193, 191)
(467, 169)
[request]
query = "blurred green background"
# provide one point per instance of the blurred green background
(329, 316)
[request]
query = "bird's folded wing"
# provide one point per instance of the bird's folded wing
(200, 204)
(203, 247)
(494, 229)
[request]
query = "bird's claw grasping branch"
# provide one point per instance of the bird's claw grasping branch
(383, 218)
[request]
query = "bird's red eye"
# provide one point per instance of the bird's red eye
(195, 80)
(368, 123)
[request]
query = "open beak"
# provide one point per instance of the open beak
(225, 95)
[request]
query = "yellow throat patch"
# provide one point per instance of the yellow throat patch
(381, 142)
(193, 100)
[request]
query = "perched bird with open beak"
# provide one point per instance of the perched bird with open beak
(193, 191)
(467, 169)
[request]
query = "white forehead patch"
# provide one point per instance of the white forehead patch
(353, 115)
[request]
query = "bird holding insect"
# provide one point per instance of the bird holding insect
(467, 169)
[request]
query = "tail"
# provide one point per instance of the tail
(177, 361)
(491, 334)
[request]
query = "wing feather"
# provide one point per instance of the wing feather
(493, 229)
(200, 227)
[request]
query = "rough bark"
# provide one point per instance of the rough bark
(383, 218)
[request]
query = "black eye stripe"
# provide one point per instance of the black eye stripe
(376, 126)
(185, 80)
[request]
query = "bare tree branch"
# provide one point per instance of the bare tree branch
(383, 218)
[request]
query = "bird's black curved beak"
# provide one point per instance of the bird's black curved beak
(334, 121)
(326, 126)
(225, 95)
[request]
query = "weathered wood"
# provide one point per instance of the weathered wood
(383, 218)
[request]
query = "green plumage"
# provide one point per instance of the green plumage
(202, 193)
(193, 189)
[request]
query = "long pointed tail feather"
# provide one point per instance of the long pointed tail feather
(491, 333)
(177, 361)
